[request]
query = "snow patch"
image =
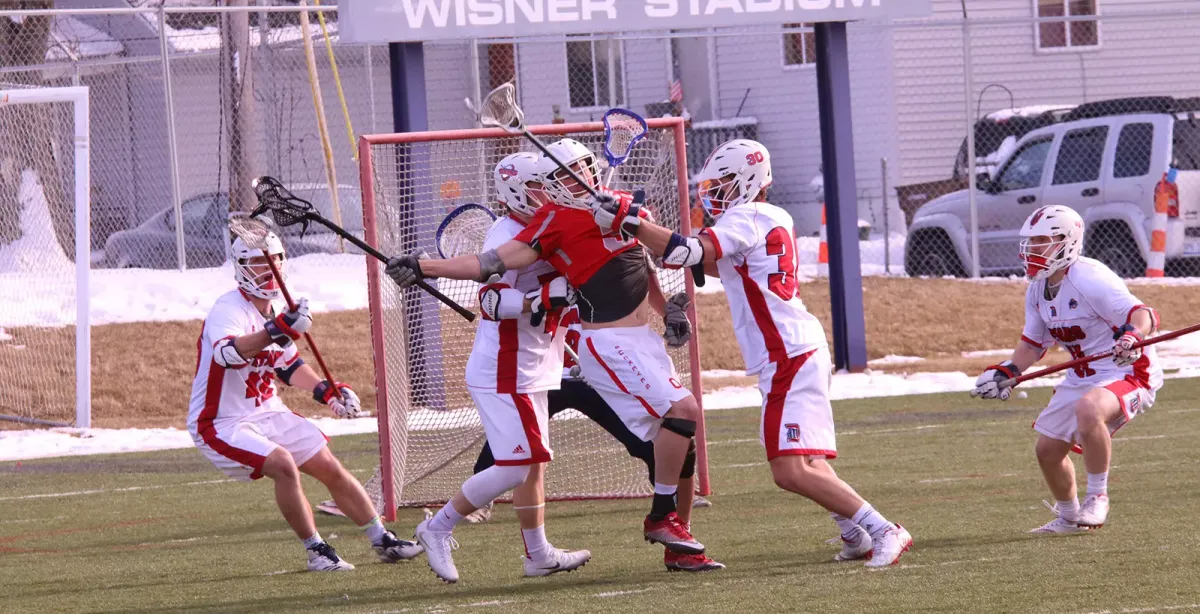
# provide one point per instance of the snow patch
(983, 353)
(893, 359)
(5, 336)
(37, 250)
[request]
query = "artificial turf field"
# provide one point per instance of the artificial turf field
(162, 532)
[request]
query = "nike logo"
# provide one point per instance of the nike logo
(556, 566)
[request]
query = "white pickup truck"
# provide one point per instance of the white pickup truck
(1105, 160)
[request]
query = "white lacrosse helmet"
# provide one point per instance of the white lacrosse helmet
(1065, 229)
(578, 158)
(511, 175)
(256, 279)
(747, 161)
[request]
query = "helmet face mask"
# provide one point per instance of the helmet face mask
(559, 185)
(1052, 241)
(251, 271)
(735, 173)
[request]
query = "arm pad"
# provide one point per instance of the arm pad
(682, 252)
(490, 264)
(227, 356)
(285, 374)
(499, 302)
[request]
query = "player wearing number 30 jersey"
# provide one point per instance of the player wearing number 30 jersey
(1081, 305)
(753, 249)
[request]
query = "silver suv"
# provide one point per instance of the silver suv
(1105, 160)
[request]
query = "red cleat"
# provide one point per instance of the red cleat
(670, 532)
(690, 562)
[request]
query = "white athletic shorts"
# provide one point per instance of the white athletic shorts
(1057, 421)
(631, 370)
(797, 418)
(240, 446)
(516, 426)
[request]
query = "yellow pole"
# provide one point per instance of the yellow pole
(337, 80)
(330, 172)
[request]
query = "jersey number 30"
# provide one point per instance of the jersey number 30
(780, 243)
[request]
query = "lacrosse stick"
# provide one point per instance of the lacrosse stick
(462, 233)
(288, 209)
(253, 233)
(1013, 381)
(622, 130)
(499, 110)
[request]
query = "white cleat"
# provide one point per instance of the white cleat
(1093, 512)
(556, 560)
(437, 546)
(322, 557)
(857, 546)
(1059, 525)
(482, 514)
(887, 549)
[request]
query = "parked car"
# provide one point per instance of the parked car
(1104, 160)
(205, 222)
(996, 135)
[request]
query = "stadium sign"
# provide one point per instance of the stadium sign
(383, 21)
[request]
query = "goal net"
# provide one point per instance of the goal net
(45, 255)
(429, 431)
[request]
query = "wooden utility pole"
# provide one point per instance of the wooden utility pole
(237, 100)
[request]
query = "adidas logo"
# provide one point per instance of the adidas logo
(519, 449)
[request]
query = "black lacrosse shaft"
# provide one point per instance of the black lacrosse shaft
(449, 302)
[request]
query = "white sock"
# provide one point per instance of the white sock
(312, 540)
(535, 542)
(664, 489)
(1068, 510)
(1097, 484)
(374, 530)
(845, 525)
(446, 519)
(872, 521)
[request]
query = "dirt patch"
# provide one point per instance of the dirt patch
(142, 373)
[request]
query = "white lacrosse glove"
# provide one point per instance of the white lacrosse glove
(346, 407)
(554, 294)
(290, 325)
(988, 386)
(1124, 354)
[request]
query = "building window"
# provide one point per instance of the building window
(799, 44)
(591, 66)
(1067, 34)
(497, 65)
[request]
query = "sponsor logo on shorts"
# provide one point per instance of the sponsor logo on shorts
(793, 432)
(519, 449)
(1135, 402)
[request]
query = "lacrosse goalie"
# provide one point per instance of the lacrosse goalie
(239, 423)
(1080, 304)
(752, 248)
(624, 360)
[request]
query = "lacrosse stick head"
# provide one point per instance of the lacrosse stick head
(622, 130)
(499, 109)
(286, 208)
(254, 241)
(463, 232)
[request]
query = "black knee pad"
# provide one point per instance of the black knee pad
(689, 461)
(686, 428)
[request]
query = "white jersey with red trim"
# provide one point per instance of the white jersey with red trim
(220, 393)
(513, 356)
(1092, 303)
(756, 257)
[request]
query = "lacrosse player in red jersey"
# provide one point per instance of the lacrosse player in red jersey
(1083, 306)
(621, 356)
(239, 423)
(752, 248)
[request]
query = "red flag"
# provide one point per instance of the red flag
(676, 91)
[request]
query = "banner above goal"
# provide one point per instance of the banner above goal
(387, 21)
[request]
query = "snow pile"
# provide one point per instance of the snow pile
(209, 38)
(892, 359)
(37, 251)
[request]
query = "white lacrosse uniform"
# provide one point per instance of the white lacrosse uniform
(780, 340)
(236, 417)
(513, 364)
(1091, 304)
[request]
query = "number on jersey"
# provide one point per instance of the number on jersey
(780, 243)
(1082, 370)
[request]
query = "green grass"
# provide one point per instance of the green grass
(157, 532)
